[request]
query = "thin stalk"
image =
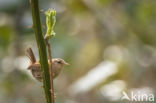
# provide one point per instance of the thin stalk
(51, 70)
(41, 48)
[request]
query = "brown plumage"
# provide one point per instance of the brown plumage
(35, 68)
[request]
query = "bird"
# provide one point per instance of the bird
(35, 67)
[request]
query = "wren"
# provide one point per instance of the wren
(35, 67)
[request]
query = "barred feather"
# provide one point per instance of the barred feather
(31, 55)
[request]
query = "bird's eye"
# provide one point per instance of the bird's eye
(59, 62)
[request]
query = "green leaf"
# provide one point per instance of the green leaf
(50, 22)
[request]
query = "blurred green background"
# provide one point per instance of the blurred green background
(109, 44)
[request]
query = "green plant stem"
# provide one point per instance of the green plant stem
(51, 70)
(41, 47)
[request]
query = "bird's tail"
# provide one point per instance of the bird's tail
(31, 55)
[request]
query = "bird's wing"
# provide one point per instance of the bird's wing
(34, 66)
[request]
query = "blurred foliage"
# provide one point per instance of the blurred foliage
(88, 33)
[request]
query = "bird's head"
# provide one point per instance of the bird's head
(59, 63)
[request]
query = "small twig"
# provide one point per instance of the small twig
(51, 71)
(50, 22)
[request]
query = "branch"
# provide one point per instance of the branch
(51, 71)
(42, 48)
(50, 21)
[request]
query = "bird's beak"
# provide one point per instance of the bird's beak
(66, 63)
